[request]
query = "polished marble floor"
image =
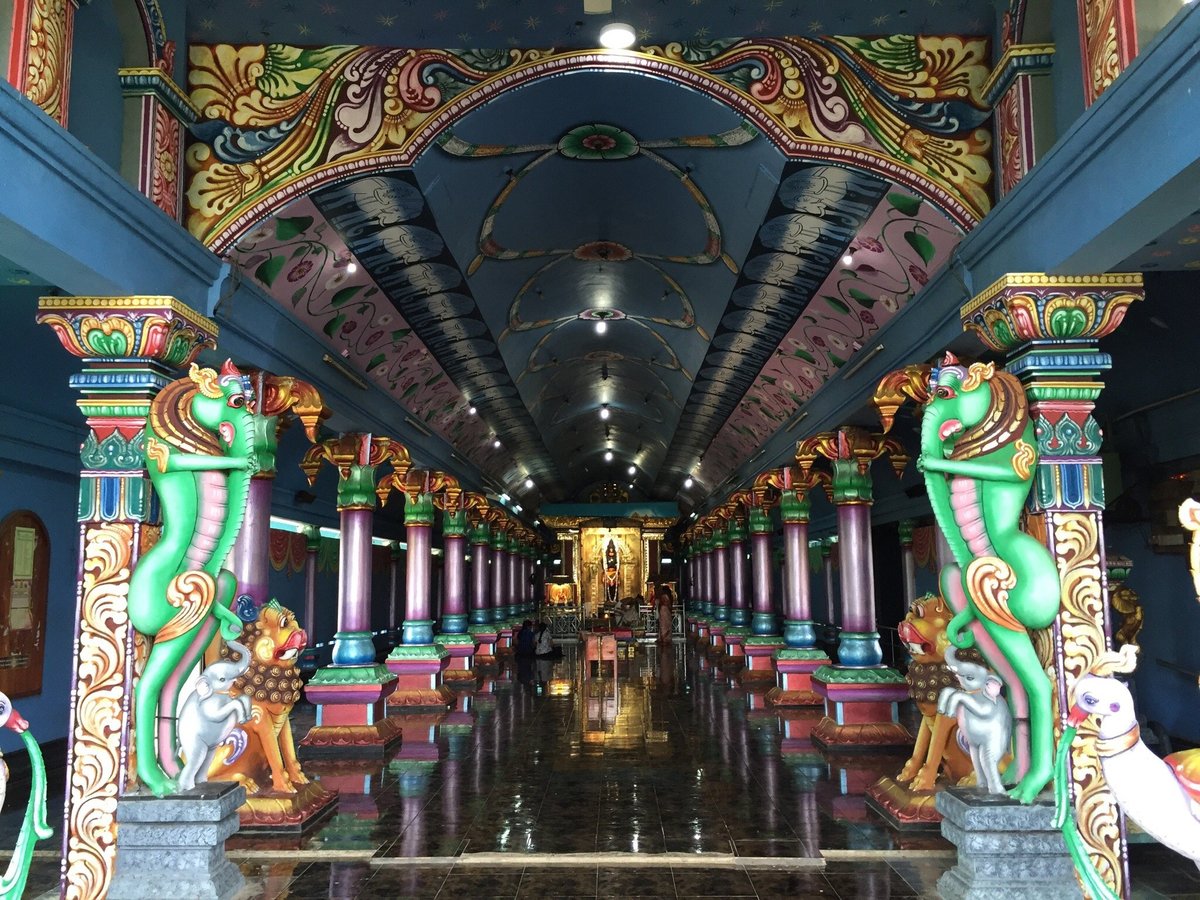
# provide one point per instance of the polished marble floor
(661, 779)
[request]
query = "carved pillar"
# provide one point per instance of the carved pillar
(796, 662)
(131, 348)
(1050, 327)
(764, 640)
(908, 562)
(166, 112)
(1108, 41)
(454, 639)
(1019, 84)
(418, 662)
(351, 692)
(861, 695)
(39, 56)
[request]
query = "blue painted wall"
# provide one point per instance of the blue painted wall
(96, 106)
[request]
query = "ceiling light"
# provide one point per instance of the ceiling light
(688, 482)
(633, 470)
(608, 456)
(617, 36)
(848, 259)
(631, 485)
(604, 413)
(496, 443)
(529, 483)
(351, 268)
(601, 327)
(471, 411)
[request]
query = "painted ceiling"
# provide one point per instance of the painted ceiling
(600, 261)
(561, 23)
(1177, 249)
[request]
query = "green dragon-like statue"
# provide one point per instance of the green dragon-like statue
(978, 454)
(199, 444)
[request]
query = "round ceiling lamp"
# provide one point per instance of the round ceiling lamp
(617, 36)
(608, 455)
(688, 482)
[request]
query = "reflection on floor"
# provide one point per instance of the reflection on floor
(680, 782)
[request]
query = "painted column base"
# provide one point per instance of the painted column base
(703, 626)
(505, 639)
(485, 637)
(739, 616)
(861, 708)
(1005, 849)
(178, 841)
(796, 727)
(794, 668)
(289, 813)
(459, 672)
(799, 634)
(418, 669)
(902, 807)
(351, 717)
(735, 636)
(760, 667)
(859, 649)
(716, 638)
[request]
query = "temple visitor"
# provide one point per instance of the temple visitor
(525, 639)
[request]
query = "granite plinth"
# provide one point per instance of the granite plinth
(1006, 850)
(177, 841)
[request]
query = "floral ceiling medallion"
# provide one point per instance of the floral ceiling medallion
(598, 141)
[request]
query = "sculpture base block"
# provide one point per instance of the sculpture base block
(902, 807)
(175, 846)
(1006, 850)
(419, 670)
(351, 713)
(794, 668)
(271, 812)
(760, 665)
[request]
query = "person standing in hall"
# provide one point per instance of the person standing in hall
(665, 601)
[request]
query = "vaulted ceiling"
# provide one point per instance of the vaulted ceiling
(606, 261)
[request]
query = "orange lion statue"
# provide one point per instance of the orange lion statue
(261, 751)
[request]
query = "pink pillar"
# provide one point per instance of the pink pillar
(249, 558)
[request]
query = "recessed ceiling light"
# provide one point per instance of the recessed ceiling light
(601, 327)
(608, 456)
(688, 482)
(471, 411)
(848, 260)
(604, 413)
(351, 268)
(633, 470)
(631, 485)
(496, 443)
(617, 36)
(529, 482)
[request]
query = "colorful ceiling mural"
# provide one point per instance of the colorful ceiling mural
(561, 23)
(624, 274)
(306, 265)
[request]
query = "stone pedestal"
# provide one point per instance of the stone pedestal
(735, 637)
(794, 668)
(459, 672)
(351, 715)
(861, 708)
(1006, 851)
(175, 846)
(759, 650)
(418, 669)
(485, 637)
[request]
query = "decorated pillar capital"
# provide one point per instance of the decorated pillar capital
(906, 527)
(454, 524)
(759, 520)
(737, 531)
(418, 510)
(276, 399)
(356, 456)
(152, 328)
(850, 450)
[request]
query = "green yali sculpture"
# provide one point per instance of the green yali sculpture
(199, 446)
(34, 826)
(978, 454)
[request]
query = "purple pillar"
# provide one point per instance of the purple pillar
(394, 587)
(480, 556)
(859, 642)
(499, 577)
(454, 584)
(720, 573)
(706, 582)
(827, 565)
(352, 643)
(798, 628)
(310, 587)
(249, 559)
(516, 598)
(763, 621)
(739, 612)
(418, 522)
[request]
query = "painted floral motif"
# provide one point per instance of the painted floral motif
(278, 119)
(598, 141)
(903, 242)
(305, 266)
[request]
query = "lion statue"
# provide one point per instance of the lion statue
(923, 632)
(262, 748)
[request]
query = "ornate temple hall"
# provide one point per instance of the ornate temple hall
(641, 448)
